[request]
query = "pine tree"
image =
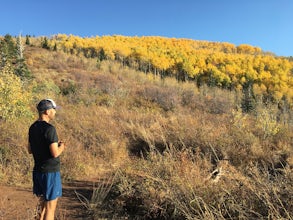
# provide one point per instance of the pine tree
(248, 103)
(12, 55)
(55, 47)
(45, 44)
(27, 40)
(102, 55)
(8, 50)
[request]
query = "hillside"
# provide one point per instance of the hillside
(157, 148)
(213, 63)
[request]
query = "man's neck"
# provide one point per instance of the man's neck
(44, 118)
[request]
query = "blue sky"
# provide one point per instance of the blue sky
(267, 24)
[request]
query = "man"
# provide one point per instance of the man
(44, 145)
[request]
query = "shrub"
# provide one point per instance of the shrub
(167, 97)
(14, 99)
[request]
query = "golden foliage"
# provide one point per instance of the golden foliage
(215, 63)
(14, 100)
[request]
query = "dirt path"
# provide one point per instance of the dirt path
(18, 203)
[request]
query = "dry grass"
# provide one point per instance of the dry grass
(181, 152)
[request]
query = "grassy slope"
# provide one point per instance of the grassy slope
(160, 140)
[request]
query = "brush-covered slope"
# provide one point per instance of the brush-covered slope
(165, 149)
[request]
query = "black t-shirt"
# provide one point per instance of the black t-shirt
(41, 136)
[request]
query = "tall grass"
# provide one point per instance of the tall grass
(178, 151)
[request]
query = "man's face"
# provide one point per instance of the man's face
(51, 113)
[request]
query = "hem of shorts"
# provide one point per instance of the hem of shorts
(44, 197)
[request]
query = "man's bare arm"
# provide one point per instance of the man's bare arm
(57, 150)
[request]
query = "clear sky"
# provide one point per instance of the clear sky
(267, 24)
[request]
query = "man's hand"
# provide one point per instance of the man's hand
(57, 148)
(61, 143)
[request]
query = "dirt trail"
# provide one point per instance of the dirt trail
(18, 203)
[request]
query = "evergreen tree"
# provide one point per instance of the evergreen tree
(27, 40)
(8, 50)
(55, 47)
(45, 43)
(12, 55)
(102, 55)
(248, 103)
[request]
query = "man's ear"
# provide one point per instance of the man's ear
(46, 112)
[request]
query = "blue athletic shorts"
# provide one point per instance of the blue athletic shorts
(47, 185)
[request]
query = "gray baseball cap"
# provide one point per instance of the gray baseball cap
(46, 104)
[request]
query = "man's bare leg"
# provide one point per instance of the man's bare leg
(50, 207)
(40, 210)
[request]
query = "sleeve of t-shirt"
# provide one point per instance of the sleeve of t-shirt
(51, 135)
